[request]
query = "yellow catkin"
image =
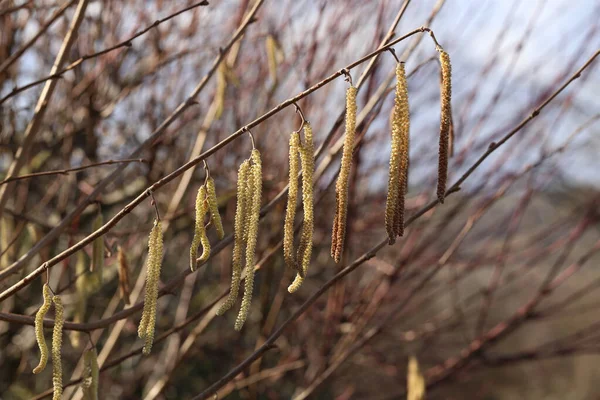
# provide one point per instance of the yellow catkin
(123, 270)
(39, 329)
(213, 206)
(445, 123)
(403, 116)
(307, 152)
(415, 381)
(155, 253)
(341, 187)
(91, 373)
(200, 236)
(253, 220)
(238, 236)
(59, 320)
(98, 246)
(290, 212)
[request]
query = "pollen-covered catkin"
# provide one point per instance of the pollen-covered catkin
(39, 329)
(341, 187)
(415, 381)
(213, 206)
(238, 236)
(200, 236)
(290, 212)
(59, 320)
(91, 373)
(307, 152)
(253, 220)
(155, 253)
(445, 122)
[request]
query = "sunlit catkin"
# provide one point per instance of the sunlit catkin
(91, 373)
(415, 381)
(153, 264)
(445, 122)
(238, 236)
(39, 329)
(59, 320)
(307, 152)
(213, 207)
(341, 188)
(253, 220)
(200, 236)
(290, 212)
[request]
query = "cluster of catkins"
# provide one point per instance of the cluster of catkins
(59, 320)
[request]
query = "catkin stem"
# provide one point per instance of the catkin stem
(39, 329)
(341, 187)
(290, 212)
(253, 220)
(445, 123)
(239, 236)
(59, 320)
(91, 372)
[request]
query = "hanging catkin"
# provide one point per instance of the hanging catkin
(39, 329)
(341, 187)
(445, 122)
(290, 212)
(200, 236)
(91, 372)
(239, 235)
(415, 381)
(398, 173)
(153, 264)
(59, 320)
(307, 158)
(252, 229)
(213, 207)
(123, 270)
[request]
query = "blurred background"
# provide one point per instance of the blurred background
(495, 292)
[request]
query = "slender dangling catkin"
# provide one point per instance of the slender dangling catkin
(341, 188)
(239, 235)
(415, 381)
(213, 206)
(59, 320)
(445, 122)
(91, 373)
(200, 236)
(307, 157)
(253, 220)
(290, 212)
(124, 285)
(155, 253)
(39, 329)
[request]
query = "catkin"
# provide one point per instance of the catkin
(238, 236)
(290, 212)
(39, 329)
(445, 122)
(415, 381)
(252, 229)
(341, 187)
(200, 236)
(59, 320)
(307, 158)
(155, 253)
(213, 207)
(91, 372)
(123, 270)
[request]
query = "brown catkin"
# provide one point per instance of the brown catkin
(253, 220)
(124, 284)
(307, 152)
(290, 212)
(239, 235)
(59, 320)
(341, 187)
(445, 123)
(213, 207)
(91, 373)
(39, 329)
(155, 253)
(200, 236)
